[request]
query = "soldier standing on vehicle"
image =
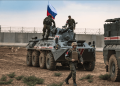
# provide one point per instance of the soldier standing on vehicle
(47, 24)
(71, 23)
(73, 56)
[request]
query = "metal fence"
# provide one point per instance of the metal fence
(22, 29)
(96, 31)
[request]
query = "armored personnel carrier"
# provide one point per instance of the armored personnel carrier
(111, 50)
(46, 53)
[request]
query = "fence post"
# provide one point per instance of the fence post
(34, 29)
(22, 29)
(99, 31)
(85, 31)
(0, 28)
(10, 29)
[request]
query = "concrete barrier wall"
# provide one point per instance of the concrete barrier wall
(21, 38)
(25, 37)
(1, 37)
(99, 39)
(87, 38)
(9, 37)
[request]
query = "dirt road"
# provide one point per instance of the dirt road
(16, 62)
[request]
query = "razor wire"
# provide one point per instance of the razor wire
(97, 31)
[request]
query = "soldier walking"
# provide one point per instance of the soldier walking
(47, 24)
(73, 56)
(71, 23)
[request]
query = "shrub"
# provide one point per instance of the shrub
(8, 82)
(19, 77)
(11, 75)
(89, 76)
(57, 74)
(82, 78)
(90, 80)
(86, 77)
(60, 84)
(3, 78)
(105, 76)
(32, 80)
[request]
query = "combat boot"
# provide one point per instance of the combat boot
(74, 82)
(69, 76)
(66, 80)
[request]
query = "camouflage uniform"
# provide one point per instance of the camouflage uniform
(70, 23)
(72, 64)
(47, 24)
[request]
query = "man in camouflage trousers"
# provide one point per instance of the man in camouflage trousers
(71, 23)
(47, 24)
(73, 56)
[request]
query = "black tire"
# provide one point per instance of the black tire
(113, 68)
(29, 58)
(89, 66)
(35, 58)
(42, 60)
(50, 62)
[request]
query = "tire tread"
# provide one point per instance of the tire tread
(52, 62)
(29, 52)
(118, 70)
(36, 53)
(44, 61)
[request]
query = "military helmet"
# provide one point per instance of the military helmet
(50, 16)
(73, 44)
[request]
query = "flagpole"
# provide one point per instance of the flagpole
(48, 4)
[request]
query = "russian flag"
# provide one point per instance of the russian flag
(51, 11)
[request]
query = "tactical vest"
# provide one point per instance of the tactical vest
(74, 55)
(70, 22)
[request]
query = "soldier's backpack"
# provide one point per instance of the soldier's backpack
(47, 21)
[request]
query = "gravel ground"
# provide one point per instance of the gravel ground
(16, 62)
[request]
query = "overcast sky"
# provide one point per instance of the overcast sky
(88, 13)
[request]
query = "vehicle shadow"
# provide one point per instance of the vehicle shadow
(66, 68)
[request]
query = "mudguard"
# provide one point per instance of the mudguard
(105, 54)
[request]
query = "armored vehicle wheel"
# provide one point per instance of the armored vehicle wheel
(50, 62)
(42, 60)
(35, 58)
(113, 68)
(29, 58)
(89, 66)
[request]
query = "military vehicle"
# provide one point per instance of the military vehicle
(46, 53)
(111, 50)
